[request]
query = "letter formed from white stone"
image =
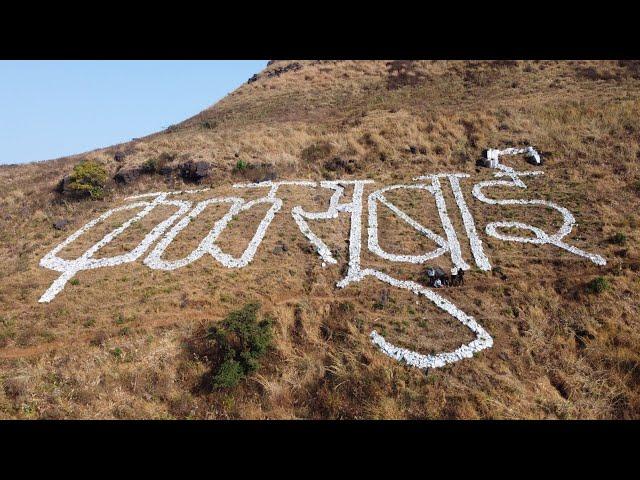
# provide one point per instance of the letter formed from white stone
(373, 241)
(208, 244)
(301, 216)
(355, 274)
(541, 237)
(155, 261)
(452, 237)
(248, 254)
(69, 268)
(483, 339)
(469, 224)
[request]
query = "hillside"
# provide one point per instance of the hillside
(558, 329)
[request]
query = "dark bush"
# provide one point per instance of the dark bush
(149, 166)
(256, 172)
(632, 66)
(479, 78)
(598, 285)
(316, 151)
(403, 73)
(504, 63)
(338, 164)
(236, 345)
(591, 73)
(158, 164)
(209, 124)
(618, 239)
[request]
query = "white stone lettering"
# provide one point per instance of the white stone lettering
(541, 237)
(168, 230)
(86, 261)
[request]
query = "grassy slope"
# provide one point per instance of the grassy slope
(558, 352)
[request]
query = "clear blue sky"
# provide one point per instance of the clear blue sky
(50, 109)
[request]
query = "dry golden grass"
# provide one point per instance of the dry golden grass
(114, 345)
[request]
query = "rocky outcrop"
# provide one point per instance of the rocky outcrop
(61, 224)
(276, 72)
(191, 171)
(127, 175)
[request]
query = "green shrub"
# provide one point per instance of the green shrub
(88, 179)
(598, 285)
(619, 238)
(117, 353)
(237, 344)
(241, 165)
(157, 164)
(346, 308)
(229, 375)
(150, 166)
